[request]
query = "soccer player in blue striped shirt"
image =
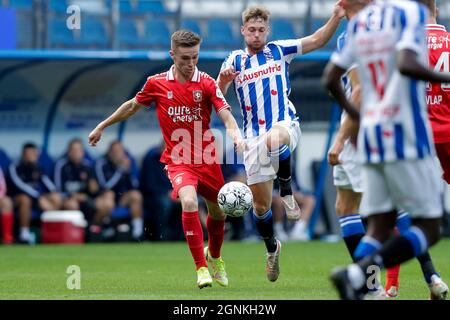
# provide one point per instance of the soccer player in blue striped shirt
(260, 74)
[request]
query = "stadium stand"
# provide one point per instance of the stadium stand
(282, 29)
(142, 7)
(193, 25)
(220, 34)
(127, 34)
(157, 33)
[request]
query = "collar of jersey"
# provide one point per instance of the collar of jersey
(195, 76)
(432, 26)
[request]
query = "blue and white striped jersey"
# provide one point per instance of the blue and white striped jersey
(341, 41)
(394, 120)
(263, 85)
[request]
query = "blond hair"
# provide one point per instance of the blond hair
(185, 38)
(256, 12)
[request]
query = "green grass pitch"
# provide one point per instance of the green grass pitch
(166, 271)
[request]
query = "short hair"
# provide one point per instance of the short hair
(255, 12)
(74, 141)
(431, 5)
(185, 38)
(29, 145)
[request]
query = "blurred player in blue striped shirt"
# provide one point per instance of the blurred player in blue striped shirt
(387, 41)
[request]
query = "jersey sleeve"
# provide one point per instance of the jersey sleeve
(340, 45)
(147, 94)
(229, 61)
(289, 49)
(413, 32)
(344, 56)
(216, 96)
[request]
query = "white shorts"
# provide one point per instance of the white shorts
(348, 174)
(258, 165)
(411, 185)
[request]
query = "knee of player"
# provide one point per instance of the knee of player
(261, 207)
(189, 204)
(23, 200)
(6, 204)
(344, 208)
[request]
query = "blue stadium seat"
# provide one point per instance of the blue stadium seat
(93, 33)
(220, 34)
(282, 29)
(192, 25)
(142, 7)
(21, 4)
(127, 34)
(58, 6)
(24, 27)
(157, 33)
(46, 162)
(59, 35)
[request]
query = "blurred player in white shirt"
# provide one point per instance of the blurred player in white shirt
(387, 41)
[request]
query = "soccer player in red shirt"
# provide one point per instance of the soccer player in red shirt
(184, 97)
(438, 94)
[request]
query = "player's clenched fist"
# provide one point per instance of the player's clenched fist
(94, 137)
(333, 153)
(228, 75)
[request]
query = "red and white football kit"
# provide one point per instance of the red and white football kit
(184, 114)
(438, 94)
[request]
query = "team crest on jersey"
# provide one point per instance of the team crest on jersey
(268, 54)
(178, 180)
(169, 95)
(197, 94)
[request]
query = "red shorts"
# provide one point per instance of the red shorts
(206, 179)
(443, 153)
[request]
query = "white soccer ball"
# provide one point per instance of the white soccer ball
(235, 199)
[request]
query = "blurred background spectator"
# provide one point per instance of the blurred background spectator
(6, 212)
(32, 190)
(118, 178)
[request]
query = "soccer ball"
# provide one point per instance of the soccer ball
(235, 199)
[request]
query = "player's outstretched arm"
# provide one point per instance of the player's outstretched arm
(232, 129)
(321, 37)
(126, 110)
(225, 78)
(331, 80)
(409, 65)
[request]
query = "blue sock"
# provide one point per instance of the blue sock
(282, 153)
(366, 247)
(403, 221)
(352, 230)
(417, 239)
(264, 225)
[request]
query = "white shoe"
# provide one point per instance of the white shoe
(299, 232)
(438, 288)
(300, 236)
(273, 264)
(293, 211)
(378, 294)
(280, 233)
(204, 278)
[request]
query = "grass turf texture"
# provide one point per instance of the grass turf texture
(166, 271)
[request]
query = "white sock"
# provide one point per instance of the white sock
(278, 226)
(356, 276)
(137, 227)
(24, 233)
(300, 226)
